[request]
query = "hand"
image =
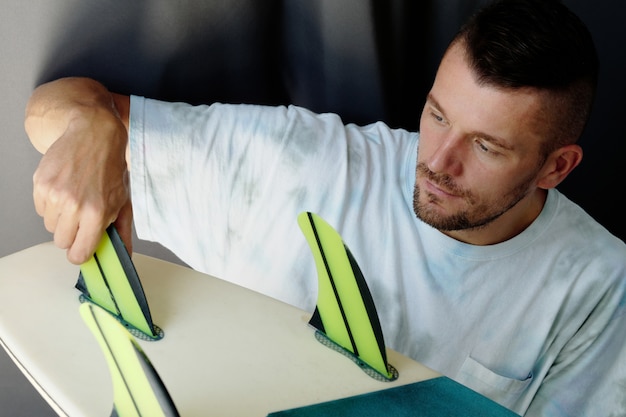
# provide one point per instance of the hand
(81, 185)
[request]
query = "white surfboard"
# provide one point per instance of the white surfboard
(226, 350)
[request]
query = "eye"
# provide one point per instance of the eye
(437, 117)
(484, 147)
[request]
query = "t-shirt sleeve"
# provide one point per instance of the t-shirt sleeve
(221, 185)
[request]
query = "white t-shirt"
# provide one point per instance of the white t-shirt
(536, 323)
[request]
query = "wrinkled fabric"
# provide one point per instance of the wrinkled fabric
(535, 323)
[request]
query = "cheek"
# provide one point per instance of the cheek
(495, 186)
(426, 142)
(481, 182)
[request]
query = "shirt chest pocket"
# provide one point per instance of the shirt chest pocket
(504, 390)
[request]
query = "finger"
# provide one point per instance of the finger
(50, 220)
(65, 231)
(39, 200)
(43, 186)
(124, 225)
(40, 193)
(88, 236)
(61, 218)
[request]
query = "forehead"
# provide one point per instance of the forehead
(515, 115)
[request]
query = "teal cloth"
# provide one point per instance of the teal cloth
(434, 397)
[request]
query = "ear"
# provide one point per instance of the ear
(558, 165)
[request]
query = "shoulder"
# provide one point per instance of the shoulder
(597, 251)
(584, 227)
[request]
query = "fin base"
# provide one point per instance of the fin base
(139, 334)
(393, 372)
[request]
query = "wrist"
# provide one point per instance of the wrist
(99, 128)
(55, 105)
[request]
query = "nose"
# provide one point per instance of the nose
(446, 156)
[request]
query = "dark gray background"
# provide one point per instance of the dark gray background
(367, 60)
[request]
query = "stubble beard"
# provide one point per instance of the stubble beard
(474, 216)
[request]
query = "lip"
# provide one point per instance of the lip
(436, 190)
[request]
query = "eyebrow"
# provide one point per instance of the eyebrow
(477, 134)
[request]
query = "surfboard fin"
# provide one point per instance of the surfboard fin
(137, 388)
(345, 316)
(109, 279)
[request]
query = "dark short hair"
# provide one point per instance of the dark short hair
(539, 44)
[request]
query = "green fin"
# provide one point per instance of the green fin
(345, 310)
(109, 279)
(137, 388)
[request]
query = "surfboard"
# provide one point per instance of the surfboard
(225, 350)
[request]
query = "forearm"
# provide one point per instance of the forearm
(54, 106)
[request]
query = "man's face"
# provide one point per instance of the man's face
(479, 150)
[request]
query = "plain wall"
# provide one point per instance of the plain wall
(28, 30)
(23, 28)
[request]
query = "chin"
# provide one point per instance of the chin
(435, 215)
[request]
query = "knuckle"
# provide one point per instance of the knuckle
(95, 211)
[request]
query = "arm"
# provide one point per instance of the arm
(81, 183)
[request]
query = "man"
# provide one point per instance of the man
(479, 268)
